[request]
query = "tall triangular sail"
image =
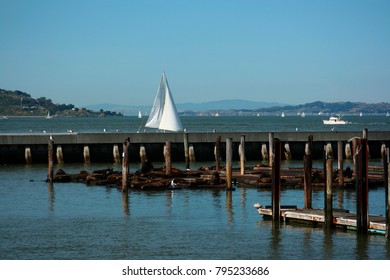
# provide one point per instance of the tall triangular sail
(164, 114)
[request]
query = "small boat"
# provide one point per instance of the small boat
(282, 115)
(163, 115)
(335, 120)
(48, 116)
(387, 114)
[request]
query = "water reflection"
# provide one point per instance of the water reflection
(125, 204)
(229, 206)
(50, 187)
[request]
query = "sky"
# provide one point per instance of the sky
(89, 52)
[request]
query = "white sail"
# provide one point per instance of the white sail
(164, 114)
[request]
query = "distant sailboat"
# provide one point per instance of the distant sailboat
(48, 116)
(139, 115)
(164, 114)
(282, 115)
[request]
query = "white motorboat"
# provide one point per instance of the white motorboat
(335, 120)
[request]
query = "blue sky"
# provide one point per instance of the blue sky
(114, 51)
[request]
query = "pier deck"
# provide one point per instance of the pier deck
(341, 218)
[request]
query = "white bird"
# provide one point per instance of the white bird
(51, 138)
(104, 130)
(44, 131)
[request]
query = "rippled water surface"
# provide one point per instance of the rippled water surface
(75, 221)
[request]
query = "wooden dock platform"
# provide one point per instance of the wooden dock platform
(341, 218)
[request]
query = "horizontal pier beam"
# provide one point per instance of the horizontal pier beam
(13, 146)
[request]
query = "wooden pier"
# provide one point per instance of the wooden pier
(341, 218)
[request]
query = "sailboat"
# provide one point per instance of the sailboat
(164, 114)
(48, 116)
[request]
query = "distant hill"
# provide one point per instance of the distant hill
(18, 103)
(228, 104)
(245, 107)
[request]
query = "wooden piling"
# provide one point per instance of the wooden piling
(329, 151)
(361, 160)
(348, 152)
(191, 153)
(264, 152)
(271, 136)
(59, 155)
(386, 168)
(328, 194)
(167, 156)
(125, 164)
(27, 155)
(340, 163)
(86, 155)
(241, 152)
(116, 155)
(276, 178)
(186, 151)
(142, 154)
(307, 166)
(287, 151)
(50, 172)
(229, 156)
(217, 153)
(354, 144)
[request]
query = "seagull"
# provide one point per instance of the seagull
(51, 138)
(104, 130)
(69, 131)
(332, 128)
(44, 131)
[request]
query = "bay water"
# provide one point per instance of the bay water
(41, 221)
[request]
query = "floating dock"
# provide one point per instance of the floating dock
(341, 218)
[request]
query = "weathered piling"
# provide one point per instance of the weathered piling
(328, 194)
(167, 156)
(115, 154)
(86, 155)
(276, 178)
(329, 151)
(27, 155)
(241, 152)
(307, 166)
(264, 152)
(229, 156)
(217, 153)
(271, 136)
(287, 151)
(50, 150)
(361, 161)
(125, 164)
(59, 155)
(142, 154)
(186, 151)
(340, 163)
(348, 152)
(354, 147)
(191, 152)
(386, 167)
